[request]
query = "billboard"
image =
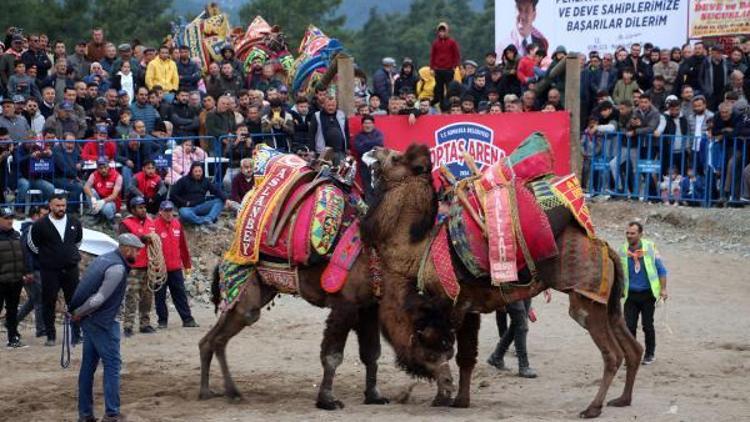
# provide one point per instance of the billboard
(487, 138)
(584, 26)
(709, 18)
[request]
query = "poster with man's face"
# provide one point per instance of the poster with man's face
(600, 25)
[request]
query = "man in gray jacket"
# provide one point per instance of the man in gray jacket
(95, 305)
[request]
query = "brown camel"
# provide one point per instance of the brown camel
(354, 307)
(399, 227)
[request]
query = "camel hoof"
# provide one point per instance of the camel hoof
(460, 403)
(207, 395)
(444, 401)
(233, 396)
(329, 404)
(376, 400)
(591, 412)
(619, 402)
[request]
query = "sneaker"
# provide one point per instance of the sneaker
(116, 418)
(86, 419)
(147, 330)
(128, 332)
(162, 325)
(648, 360)
(50, 342)
(190, 324)
(16, 343)
(497, 362)
(526, 372)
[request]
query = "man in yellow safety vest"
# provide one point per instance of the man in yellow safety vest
(645, 282)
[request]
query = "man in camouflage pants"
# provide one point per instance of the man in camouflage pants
(138, 294)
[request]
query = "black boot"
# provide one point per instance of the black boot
(496, 358)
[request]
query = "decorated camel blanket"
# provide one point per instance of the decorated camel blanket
(499, 224)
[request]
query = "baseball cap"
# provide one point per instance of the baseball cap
(17, 38)
(470, 63)
(102, 128)
(67, 106)
(284, 89)
(137, 200)
(389, 61)
(122, 93)
(6, 212)
(102, 161)
(123, 47)
(166, 205)
(18, 99)
(6, 100)
(129, 239)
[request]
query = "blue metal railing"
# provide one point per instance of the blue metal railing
(675, 169)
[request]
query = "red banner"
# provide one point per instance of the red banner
(486, 137)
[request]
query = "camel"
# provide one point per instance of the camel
(353, 308)
(399, 227)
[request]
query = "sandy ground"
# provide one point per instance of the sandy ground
(702, 370)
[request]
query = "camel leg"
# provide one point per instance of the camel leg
(368, 335)
(256, 295)
(633, 352)
(340, 321)
(466, 357)
(593, 316)
(206, 353)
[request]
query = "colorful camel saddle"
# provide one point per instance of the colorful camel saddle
(294, 216)
(497, 222)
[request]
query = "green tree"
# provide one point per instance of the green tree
(72, 20)
(293, 16)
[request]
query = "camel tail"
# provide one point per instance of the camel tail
(215, 289)
(613, 304)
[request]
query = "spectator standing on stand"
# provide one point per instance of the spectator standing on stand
(176, 257)
(645, 282)
(54, 240)
(445, 56)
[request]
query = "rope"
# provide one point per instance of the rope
(661, 303)
(156, 272)
(66, 342)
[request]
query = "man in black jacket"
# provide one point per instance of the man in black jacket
(55, 240)
(183, 117)
(189, 195)
(13, 273)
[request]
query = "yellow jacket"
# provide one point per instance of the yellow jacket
(426, 84)
(163, 73)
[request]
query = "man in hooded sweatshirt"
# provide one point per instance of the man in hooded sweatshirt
(189, 195)
(445, 56)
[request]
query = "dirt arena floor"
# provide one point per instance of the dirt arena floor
(702, 371)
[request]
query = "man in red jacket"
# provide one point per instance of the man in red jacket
(445, 56)
(138, 295)
(176, 256)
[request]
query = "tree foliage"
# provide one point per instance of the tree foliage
(72, 20)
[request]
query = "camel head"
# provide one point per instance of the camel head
(404, 194)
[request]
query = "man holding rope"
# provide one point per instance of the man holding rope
(645, 282)
(138, 295)
(95, 305)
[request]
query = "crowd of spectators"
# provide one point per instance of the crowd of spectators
(107, 122)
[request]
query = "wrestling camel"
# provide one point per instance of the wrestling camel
(400, 226)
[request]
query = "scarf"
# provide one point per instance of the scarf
(636, 255)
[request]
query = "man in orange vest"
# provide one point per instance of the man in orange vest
(176, 257)
(138, 294)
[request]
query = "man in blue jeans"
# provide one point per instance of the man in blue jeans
(95, 305)
(189, 196)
